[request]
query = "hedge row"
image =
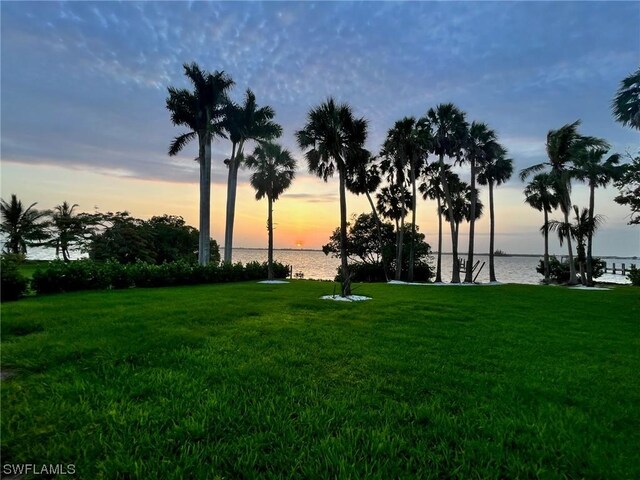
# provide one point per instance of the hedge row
(59, 276)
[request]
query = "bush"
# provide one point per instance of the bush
(59, 276)
(13, 284)
(634, 276)
(374, 272)
(559, 271)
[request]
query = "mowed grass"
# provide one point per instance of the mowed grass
(267, 381)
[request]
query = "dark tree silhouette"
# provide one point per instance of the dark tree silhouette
(626, 103)
(274, 169)
(449, 130)
(202, 111)
(334, 140)
(540, 193)
(243, 123)
(23, 226)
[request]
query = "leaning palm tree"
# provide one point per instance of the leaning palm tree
(482, 144)
(243, 123)
(334, 140)
(591, 167)
(563, 147)
(202, 112)
(432, 188)
(22, 227)
(540, 194)
(626, 104)
(449, 131)
(494, 171)
(274, 169)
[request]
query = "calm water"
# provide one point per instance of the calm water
(316, 265)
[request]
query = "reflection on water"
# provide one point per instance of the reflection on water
(315, 264)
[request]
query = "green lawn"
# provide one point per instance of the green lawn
(267, 381)
(28, 267)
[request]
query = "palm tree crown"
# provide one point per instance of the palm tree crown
(274, 170)
(23, 227)
(201, 110)
(626, 104)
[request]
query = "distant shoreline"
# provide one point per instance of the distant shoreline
(528, 255)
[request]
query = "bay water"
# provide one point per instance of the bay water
(314, 264)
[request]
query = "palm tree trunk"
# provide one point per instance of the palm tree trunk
(205, 200)
(413, 223)
(379, 231)
(573, 279)
(232, 186)
(546, 246)
(492, 269)
(592, 189)
(468, 278)
(400, 246)
(270, 231)
(455, 276)
(228, 231)
(439, 263)
(346, 279)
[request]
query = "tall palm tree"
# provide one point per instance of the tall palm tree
(540, 194)
(365, 179)
(461, 202)
(563, 147)
(392, 203)
(494, 171)
(432, 188)
(23, 227)
(243, 123)
(449, 131)
(202, 111)
(482, 144)
(397, 153)
(334, 140)
(591, 167)
(274, 170)
(626, 104)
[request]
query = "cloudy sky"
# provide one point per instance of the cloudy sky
(84, 87)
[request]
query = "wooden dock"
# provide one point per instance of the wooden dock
(622, 269)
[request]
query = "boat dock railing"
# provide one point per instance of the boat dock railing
(477, 266)
(620, 270)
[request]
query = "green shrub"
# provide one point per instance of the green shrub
(59, 276)
(559, 271)
(373, 272)
(634, 276)
(13, 284)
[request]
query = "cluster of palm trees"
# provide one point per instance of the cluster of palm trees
(571, 156)
(208, 112)
(60, 228)
(334, 140)
(417, 157)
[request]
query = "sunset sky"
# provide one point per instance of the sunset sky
(83, 89)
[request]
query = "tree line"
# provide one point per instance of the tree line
(415, 159)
